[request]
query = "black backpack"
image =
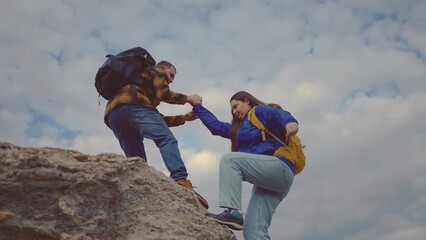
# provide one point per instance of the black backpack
(122, 69)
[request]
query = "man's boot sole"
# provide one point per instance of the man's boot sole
(202, 200)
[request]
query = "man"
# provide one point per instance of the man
(132, 115)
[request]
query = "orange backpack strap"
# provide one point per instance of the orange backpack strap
(257, 123)
(292, 150)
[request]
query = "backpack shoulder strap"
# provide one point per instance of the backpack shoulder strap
(251, 116)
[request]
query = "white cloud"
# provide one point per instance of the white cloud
(96, 144)
(13, 124)
(352, 73)
(202, 163)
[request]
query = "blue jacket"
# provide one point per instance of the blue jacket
(249, 138)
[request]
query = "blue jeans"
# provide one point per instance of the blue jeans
(271, 179)
(131, 124)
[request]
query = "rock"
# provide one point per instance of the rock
(51, 193)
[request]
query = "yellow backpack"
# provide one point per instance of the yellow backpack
(292, 151)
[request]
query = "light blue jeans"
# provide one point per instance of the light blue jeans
(131, 124)
(271, 179)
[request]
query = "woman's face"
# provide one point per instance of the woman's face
(240, 108)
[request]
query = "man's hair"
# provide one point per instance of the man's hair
(166, 64)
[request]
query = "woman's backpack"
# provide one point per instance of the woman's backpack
(291, 150)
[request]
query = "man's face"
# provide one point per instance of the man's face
(171, 73)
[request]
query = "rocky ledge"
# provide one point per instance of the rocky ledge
(51, 193)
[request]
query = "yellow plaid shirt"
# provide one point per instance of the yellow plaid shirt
(155, 90)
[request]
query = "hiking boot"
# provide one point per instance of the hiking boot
(187, 184)
(230, 218)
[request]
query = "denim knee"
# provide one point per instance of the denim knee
(227, 156)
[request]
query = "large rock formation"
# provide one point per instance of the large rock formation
(51, 193)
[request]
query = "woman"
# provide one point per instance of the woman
(251, 160)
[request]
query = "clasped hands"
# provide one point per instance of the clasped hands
(194, 100)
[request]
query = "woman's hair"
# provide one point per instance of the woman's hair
(240, 96)
(235, 124)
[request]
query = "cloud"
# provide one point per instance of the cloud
(351, 72)
(203, 162)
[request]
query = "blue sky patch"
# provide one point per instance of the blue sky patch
(40, 122)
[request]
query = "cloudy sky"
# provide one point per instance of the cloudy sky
(353, 72)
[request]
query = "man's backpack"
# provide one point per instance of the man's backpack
(291, 150)
(122, 69)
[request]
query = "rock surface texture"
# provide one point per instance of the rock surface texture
(52, 193)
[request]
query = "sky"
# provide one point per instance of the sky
(352, 72)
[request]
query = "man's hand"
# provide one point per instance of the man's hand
(190, 116)
(291, 128)
(195, 100)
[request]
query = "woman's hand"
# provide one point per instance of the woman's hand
(291, 129)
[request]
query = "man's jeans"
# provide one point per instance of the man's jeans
(131, 124)
(271, 179)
